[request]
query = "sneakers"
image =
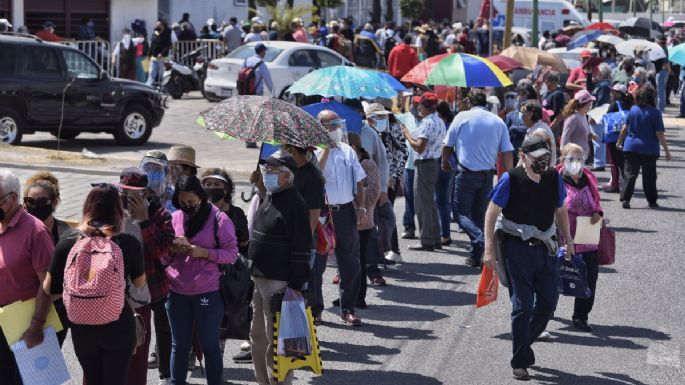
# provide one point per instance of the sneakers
(243, 358)
(378, 281)
(408, 234)
(521, 374)
(246, 346)
(473, 262)
(350, 318)
(421, 247)
(545, 336)
(393, 256)
(582, 325)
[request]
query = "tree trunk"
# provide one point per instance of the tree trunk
(375, 12)
(251, 9)
(389, 15)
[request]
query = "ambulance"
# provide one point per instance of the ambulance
(552, 15)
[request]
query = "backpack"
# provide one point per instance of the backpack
(389, 44)
(364, 52)
(432, 47)
(94, 285)
(246, 84)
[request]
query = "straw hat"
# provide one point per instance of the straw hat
(180, 153)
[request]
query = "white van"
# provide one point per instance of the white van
(552, 15)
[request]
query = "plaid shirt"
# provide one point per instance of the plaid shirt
(158, 236)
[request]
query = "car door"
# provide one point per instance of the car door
(90, 97)
(328, 59)
(302, 62)
(42, 80)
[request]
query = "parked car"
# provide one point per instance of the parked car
(287, 62)
(53, 87)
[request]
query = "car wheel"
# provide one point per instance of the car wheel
(135, 126)
(11, 126)
(175, 89)
(287, 96)
(67, 135)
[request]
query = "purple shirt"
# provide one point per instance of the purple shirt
(576, 130)
(25, 249)
(190, 276)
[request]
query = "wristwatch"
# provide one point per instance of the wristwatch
(362, 208)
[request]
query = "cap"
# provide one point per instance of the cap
(585, 54)
(375, 109)
(535, 146)
(182, 154)
(48, 24)
(456, 25)
(584, 96)
(259, 47)
(215, 176)
(492, 99)
(428, 98)
(620, 88)
(280, 158)
(132, 178)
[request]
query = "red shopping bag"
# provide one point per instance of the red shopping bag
(607, 246)
(487, 287)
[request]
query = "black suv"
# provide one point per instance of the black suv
(45, 86)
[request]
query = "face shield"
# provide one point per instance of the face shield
(156, 171)
(337, 129)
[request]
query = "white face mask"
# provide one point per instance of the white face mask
(336, 135)
(573, 167)
(381, 124)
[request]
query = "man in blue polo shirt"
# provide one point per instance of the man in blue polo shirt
(478, 136)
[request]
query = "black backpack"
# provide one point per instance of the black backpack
(389, 44)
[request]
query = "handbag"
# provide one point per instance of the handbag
(325, 234)
(235, 280)
(487, 287)
(613, 124)
(607, 246)
(573, 277)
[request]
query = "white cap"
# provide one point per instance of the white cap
(457, 25)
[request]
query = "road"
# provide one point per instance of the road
(423, 328)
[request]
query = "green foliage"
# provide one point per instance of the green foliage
(283, 15)
(412, 9)
(329, 3)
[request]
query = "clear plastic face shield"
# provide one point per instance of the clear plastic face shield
(337, 129)
(157, 173)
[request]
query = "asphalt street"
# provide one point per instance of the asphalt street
(423, 327)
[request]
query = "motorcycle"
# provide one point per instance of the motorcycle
(183, 77)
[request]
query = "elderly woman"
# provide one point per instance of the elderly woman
(582, 200)
(639, 140)
(576, 126)
(637, 81)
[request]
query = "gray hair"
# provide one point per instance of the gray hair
(642, 72)
(291, 175)
(604, 71)
(9, 183)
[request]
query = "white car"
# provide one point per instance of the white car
(287, 62)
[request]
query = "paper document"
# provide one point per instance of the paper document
(16, 318)
(587, 233)
(43, 364)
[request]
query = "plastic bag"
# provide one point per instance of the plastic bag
(487, 287)
(573, 277)
(294, 339)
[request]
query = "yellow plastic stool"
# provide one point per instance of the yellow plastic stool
(284, 364)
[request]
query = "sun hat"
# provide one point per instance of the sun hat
(182, 154)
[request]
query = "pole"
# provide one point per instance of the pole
(633, 6)
(589, 10)
(490, 32)
(651, 15)
(507, 24)
(534, 38)
(601, 10)
(663, 11)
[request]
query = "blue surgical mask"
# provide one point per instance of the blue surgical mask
(636, 79)
(381, 125)
(271, 182)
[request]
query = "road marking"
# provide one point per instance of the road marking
(664, 354)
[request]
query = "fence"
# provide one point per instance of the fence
(210, 49)
(98, 50)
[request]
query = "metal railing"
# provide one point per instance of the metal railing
(98, 50)
(211, 49)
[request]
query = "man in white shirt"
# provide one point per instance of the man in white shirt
(232, 35)
(344, 175)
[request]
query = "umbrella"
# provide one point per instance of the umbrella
(572, 28)
(504, 63)
(677, 54)
(530, 57)
(581, 38)
(463, 70)
(610, 39)
(640, 26)
(419, 74)
(353, 120)
(264, 119)
(345, 81)
(627, 48)
(394, 83)
(562, 39)
(600, 27)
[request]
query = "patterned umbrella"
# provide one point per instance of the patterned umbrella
(459, 70)
(345, 81)
(581, 38)
(264, 119)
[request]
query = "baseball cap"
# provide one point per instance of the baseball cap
(585, 53)
(429, 99)
(48, 24)
(280, 158)
(259, 47)
(620, 88)
(535, 146)
(584, 96)
(375, 109)
(132, 178)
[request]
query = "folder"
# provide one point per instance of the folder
(16, 318)
(586, 232)
(43, 364)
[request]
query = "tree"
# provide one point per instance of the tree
(375, 11)
(283, 15)
(320, 4)
(389, 15)
(411, 9)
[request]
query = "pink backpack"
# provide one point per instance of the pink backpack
(94, 285)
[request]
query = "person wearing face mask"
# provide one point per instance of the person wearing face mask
(125, 54)
(280, 248)
(580, 76)
(582, 200)
(624, 72)
(146, 220)
(25, 253)
(554, 99)
(344, 175)
(638, 81)
(156, 166)
(531, 114)
(205, 239)
(530, 199)
(576, 126)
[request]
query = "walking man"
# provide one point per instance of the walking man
(262, 76)
(426, 142)
(478, 136)
(529, 197)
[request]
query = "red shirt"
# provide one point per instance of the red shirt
(578, 73)
(402, 58)
(25, 249)
(45, 35)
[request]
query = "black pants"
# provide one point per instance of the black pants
(9, 372)
(392, 195)
(163, 338)
(583, 306)
(105, 351)
(631, 169)
(616, 158)
(62, 313)
(363, 249)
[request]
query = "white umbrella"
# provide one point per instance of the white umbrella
(610, 39)
(627, 48)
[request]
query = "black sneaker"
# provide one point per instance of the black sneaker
(582, 325)
(626, 204)
(654, 205)
(521, 374)
(473, 262)
(243, 358)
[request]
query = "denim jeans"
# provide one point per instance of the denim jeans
(534, 293)
(443, 192)
(599, 147)
(156, 72)
(203, 314)
(408, 218)
(661, 79)
(471, 190)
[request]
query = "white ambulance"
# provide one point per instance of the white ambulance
(552, 15)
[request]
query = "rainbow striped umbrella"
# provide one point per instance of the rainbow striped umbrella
(460, 70)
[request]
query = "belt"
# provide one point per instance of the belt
(340, 207)
(426, 160)
(466, 170)
(530, 242)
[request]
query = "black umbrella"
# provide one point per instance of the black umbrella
(640, 26)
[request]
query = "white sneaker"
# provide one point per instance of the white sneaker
(165, 381)
(393, 256)
(545, 336)
(245, 346)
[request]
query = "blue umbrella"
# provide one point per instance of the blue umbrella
(394, 83)
(345, 81)
(353, 120)
(582, 38)
(677, 54)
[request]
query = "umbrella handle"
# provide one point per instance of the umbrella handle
(252, 193)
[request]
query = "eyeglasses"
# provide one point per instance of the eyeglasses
(510, 96)
(5, 198)
(43, 201)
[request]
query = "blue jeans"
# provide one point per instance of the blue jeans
(661, 80)
(203, 314)
(600, 147)
(534, 292)
(408, 219)
(156, 72)
(442, 199)
(471, 191)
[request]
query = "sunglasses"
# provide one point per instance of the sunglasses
(43, 201)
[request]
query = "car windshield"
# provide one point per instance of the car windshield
(248, 50)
